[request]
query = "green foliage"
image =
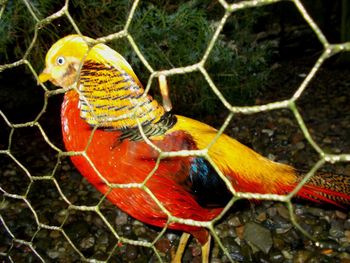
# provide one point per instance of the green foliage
(168, 34)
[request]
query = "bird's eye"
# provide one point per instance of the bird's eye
(60, 61)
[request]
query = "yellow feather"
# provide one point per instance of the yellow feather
(232, 157)
(77, 47)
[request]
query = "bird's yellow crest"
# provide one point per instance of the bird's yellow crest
(75, 48)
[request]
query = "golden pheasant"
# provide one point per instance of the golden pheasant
(101, 113)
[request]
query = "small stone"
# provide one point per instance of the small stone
(283, 211)
(131, 252)
(259, 236)
(282, 230)
(163, 245)
(121, 219)
(234, 221)
(278, 243)
(276, 257)
(55, 234)
(87, 242)
(222, 230)
(336, 229)
(240, 232)
(317, 230)
(268, 132)
(126, 229)
(345, 257)
(340, 215)
(261, 217)
(53, 254)
(197, 259)
(9, 173)
(280, 222)
(292, 237)
(171, 237)
(318, 212)
(347, 224)
(347, 235)
(299, 145)
(302, 256)
(297, 137)
(233, 249)
(196, 251)
(66, 167)
(231, 232)
(271, 211)
(271, 157)
(287, 254)
(327, 140)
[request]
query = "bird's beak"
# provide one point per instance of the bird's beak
(44, 76)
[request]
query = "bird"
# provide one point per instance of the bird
(103, 110)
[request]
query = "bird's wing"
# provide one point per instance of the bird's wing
(111, 97)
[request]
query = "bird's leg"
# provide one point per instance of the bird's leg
(181, 248)
(206, 250)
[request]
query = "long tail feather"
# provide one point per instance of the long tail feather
(327, 187)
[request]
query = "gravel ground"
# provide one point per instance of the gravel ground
(251, 231)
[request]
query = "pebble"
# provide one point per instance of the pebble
(336, 229)
(234, 221)
(55, 234)
(327, 140)
(271, 157)
(222, 230)
(233, 249)
(283, 211)
(271, 211)
(52, 253)
(127, 229)
(197, 259)
(268, 132)
(231, 233)
(259, 236)
(347, 235)
(240, 232)
(292, 237)
(131, 252)
(87, 242)
(347, 224)
(299, 145)
(302, 256)
(315, 211)
(121, 219)
(340, 215)
(280, 222)
(276, 257)
(196, 251)
(163, 245)
(297, 137)
(171, 237)
(278, 243)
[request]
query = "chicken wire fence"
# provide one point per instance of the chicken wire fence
(28, 243)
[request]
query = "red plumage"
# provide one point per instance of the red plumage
(131, 162)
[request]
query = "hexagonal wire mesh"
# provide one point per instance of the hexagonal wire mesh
(23, 199)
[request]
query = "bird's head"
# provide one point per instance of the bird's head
(65, 57)
(110, 94)
(63, 60)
